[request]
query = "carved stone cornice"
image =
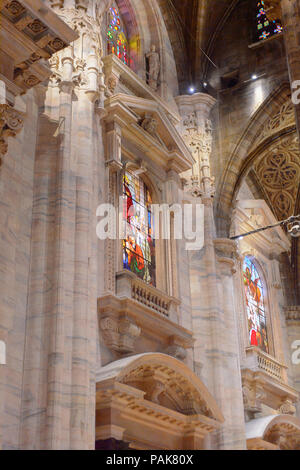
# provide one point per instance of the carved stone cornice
(11, 122)
(36, 33)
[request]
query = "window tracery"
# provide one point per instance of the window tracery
(117, 42)
(265, 27)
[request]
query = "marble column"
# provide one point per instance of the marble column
(60, 321)
(216, 345)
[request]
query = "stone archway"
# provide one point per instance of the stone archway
(273, 120)
(153, 401)
(276, 432)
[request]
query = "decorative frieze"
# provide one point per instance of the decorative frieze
(11, 122)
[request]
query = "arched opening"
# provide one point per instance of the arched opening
(279, 432)
(153, 401)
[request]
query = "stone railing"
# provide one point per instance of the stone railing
(258, 360)
(131, 286)
(150, 297)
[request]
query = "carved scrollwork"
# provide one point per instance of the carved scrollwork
(119, 333)
(287, 408)
(11, 122)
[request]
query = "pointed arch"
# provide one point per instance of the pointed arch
(273, 120)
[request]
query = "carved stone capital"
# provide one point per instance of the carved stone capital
(11, 122)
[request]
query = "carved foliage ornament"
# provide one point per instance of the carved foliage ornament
(11, 123)
(282, 119)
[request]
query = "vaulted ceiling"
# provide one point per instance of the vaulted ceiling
(193, 25)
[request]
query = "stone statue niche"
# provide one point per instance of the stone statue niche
(152, 68)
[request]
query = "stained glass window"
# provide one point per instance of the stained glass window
(116, 38)
(265, 27)
(255, 302)
(139, 245)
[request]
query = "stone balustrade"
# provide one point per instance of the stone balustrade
(132, 287)
(151, 297)
(258, 360)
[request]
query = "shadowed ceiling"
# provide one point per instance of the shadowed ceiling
(193, 25)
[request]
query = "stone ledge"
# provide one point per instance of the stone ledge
(123, 320)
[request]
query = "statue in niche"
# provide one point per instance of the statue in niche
(152, 67)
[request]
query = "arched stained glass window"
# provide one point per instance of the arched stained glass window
(116, 38)
(255, 302)
(265, 27)
(139, 245)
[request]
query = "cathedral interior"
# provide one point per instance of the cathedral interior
(130, 339)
